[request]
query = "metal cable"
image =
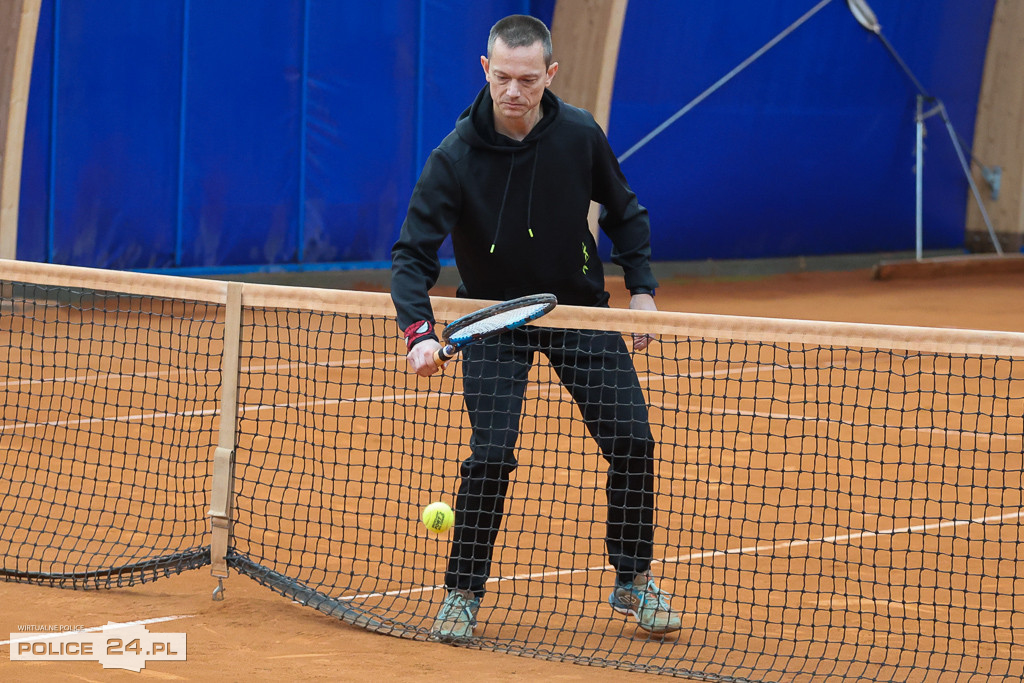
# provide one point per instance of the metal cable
(725, 79)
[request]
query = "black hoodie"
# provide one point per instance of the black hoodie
(517, 213)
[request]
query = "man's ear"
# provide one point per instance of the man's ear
(552, 70)
(486, 65)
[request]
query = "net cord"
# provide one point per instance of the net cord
(696, 325)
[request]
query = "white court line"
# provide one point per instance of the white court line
(815, 418)
(652, 377)
(547, 391)
(538, 389)
(752, 549)
(251, 368)
(127, 624)
(746, 369)
(789, 416)
(937, 526)
(140, 417)
(74, 379)
(214, 411)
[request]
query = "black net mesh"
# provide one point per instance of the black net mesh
(807, 510)
(820, 511)
(107, 422)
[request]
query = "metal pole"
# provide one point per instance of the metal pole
(970, 180)
(919, 179)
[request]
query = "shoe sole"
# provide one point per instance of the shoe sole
(439, 638)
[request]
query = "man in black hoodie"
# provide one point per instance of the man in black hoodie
(512, 184)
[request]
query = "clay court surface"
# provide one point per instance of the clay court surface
(257, 635)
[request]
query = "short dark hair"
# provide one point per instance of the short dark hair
(521, 30)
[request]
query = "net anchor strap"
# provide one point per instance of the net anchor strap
(220, 510)
(224, 454)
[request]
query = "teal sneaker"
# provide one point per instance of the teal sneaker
(641, 599)
(456, 618)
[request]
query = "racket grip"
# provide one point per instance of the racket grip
(444, 354)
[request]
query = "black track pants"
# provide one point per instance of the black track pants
(598, 372)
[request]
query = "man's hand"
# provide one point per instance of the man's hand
(421, 358)
(640, 302)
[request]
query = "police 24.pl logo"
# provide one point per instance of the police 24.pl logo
(115, 646)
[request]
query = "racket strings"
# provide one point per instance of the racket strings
(503, 320)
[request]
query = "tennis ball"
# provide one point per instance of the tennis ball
(438, 517)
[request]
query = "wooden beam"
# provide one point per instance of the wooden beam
(19, 20)
(586, 36)
(948, 266)
(999, 133)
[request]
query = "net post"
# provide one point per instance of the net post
(224, 454)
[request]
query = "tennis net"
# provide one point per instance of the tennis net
(110, 399)
(833, 501)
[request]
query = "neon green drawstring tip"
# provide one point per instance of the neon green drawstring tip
(492, 248)
(530, 230)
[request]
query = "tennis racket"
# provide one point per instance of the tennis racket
(489, 321)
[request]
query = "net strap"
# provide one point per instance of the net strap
(224, 454)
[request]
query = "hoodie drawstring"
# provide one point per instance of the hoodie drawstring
(504, 196)
(529, 202)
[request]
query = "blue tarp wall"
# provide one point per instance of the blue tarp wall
(206, 135)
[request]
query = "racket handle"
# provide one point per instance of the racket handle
(444, 354)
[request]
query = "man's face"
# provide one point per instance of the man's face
(517, 78)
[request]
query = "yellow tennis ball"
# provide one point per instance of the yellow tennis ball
(438, 517)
